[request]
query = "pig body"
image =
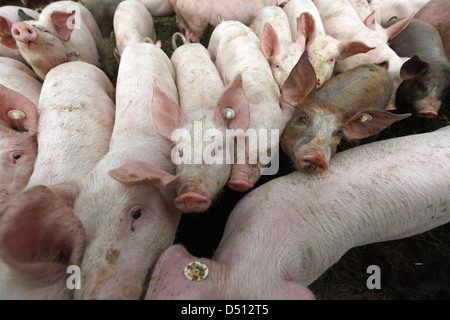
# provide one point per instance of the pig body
(87, 119)
(158, 8)
(435, 13)
(133, 24)
(350, 104)
(235, 51)
(195, 16)
(199, 87)
(9, 15)
(19, 90)
(315, 220)
(324, 50)
(388, 9)
(40, 236)
(426, 84)
(65, 31)
(342, 22)
(128, 197)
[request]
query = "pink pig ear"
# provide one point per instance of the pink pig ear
(167, 115)
(269, 41)
(141, 172)
(233, 110)
(307, 24)
(62, 24)
(6, 38)
(17, 111)
(366, 122)
(397, 27)
(370, 21)
(40, 236)
(350, 48)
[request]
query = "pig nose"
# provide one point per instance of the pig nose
(192, 202)
(428, 114)
(23, 32)
(239, 185)
(312, 164)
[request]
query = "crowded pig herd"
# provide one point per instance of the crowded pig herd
(93, 175)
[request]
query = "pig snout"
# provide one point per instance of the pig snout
(192, 202)
(23, 32)
(312, 164)
(428, 114)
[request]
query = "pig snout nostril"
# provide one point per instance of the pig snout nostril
(312, 164)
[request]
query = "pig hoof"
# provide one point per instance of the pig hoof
(312, 164)
(428, 114)
(192, 202)
(239, 185)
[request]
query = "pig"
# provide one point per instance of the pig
(65, 31)
(194, 17)
(200, 88)
(9, 15)
(40, 234)
(103, 13)
(350, 104)
(323, 49)
(132, 24)
(272, 27)
(388, 9)
(87, 119)
(19, 96)
(381, 191)
(435, 13)
(128, 198)
(426, 76)
(235, 50)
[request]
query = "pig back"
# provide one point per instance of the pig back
(366, 86)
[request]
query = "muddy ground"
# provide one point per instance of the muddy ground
(413, 268)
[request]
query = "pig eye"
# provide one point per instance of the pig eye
(16, 156)
(338, 133)
(302, 119)
(136, 214)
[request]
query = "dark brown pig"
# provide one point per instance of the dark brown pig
(426, 76)
(350, 105)
(436, 13)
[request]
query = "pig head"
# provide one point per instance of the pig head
(317, 126)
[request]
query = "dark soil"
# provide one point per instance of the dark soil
(413, 268)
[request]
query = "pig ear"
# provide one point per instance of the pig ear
(67, 192)
(370, 21)
(167, 115)
(397, 27)
(59, 21)
(17, 111)
(366, 122)
(269, 41)
(6, 38)
(141, 172)
(39, 236)
(233, 98)
(308, 26)
(350, 48)
(300, 84)
(413, 67)
(300, 39)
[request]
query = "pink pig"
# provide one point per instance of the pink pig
(201, 118)
(283, 235)
(40, 236)
(324, 50)
(9, 15)
(65, 31)
(194, 16)
(19, 96)
(235, 50)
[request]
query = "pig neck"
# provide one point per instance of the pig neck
(298, 240)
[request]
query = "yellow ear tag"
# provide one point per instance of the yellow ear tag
(366, 117)
(16, 114)
(229, 113)
(196, 271)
